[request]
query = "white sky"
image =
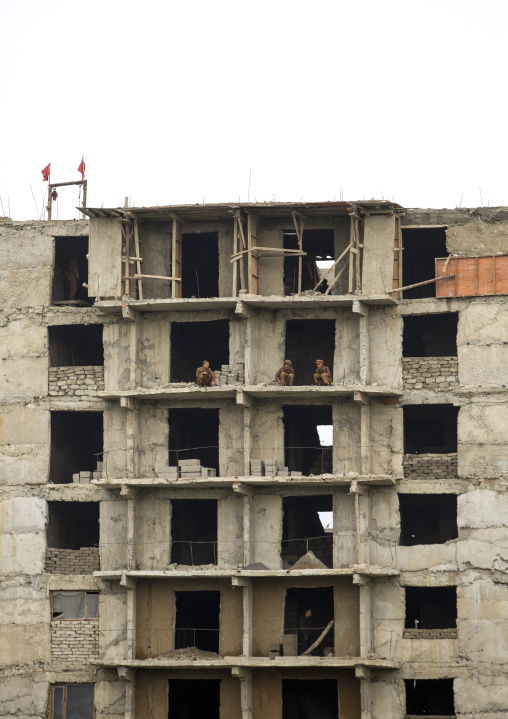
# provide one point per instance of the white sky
(175, 102)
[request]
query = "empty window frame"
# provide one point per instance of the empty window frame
(304, 528)
(307, 341)
(427, 518)
(319, 246)
(430, 428)
(193, 698)
(71, 271)
(72, 701)
(421, 247)
(76, 444)
(307, 612)
(194, 434)
(430, 335)
(308, 445)
(74, 605)
(197, 620)
(426, 697)
(194, 531)
(193, 342)
(310, 699)
(72, 525)
(431, 608)
(200, 264)
(75, 345)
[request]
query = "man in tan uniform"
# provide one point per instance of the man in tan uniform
(322, 376)
(204, 375)
(286, 374)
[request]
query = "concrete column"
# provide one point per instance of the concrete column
(129, 676)
(364, 675)
(246, 584)
(247, 549)
(362, 518)
(366, 638)
(245, 676)
(361, 309)
(130, 494)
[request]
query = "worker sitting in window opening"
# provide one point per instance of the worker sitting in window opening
(322, 375)
(204, 375)
(286, 374)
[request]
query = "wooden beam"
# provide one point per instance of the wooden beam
(419, 284)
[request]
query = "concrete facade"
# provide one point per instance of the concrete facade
(94, 496)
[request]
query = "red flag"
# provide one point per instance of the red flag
(81, 168)
(45, 173)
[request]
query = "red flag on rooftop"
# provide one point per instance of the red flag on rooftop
(45, 173)
(81, 168)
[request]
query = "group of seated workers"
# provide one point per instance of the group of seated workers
(285, 376)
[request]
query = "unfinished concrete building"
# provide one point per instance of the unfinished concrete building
(250, 549)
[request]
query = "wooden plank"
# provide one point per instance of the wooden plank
(139, 268)
(252, 257)
(358, 256)
(176, 259)
(332, 267)
(475, 276)
(419, 284)
(153, 277)
(351, 256)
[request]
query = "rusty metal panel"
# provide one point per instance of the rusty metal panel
(474, 276)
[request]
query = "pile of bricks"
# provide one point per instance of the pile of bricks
(429, 634)
(85, 477)
(187, 469)
(435, 373)
(270, 468)
(75, 381)
(72, 561)
(229, 376)
(430, 466)
(74, 640)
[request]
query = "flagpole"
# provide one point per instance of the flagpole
(48, 206)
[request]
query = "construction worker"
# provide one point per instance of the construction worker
(204, 375)
(286, 374)
(322, 375)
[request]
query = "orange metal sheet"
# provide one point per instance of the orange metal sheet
(473, 276)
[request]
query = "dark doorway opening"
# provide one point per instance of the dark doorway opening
(72, 525)
(430, 428)
(319, 246)
(197, 620)
(310, 699)
(303, 449)
(430, 335)
(421, 247)
(75, 345)
(194, 698)
(431, 608)
(194, 531)
(194, 434)
(303, 530)
(307, 341)
(76, 444)
(193, 342)
(427, 518)
(200, 264)
(306, 613)
(70, 270)
(426, 697)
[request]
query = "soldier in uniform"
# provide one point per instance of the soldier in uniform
(286, 374)
(204, 375)
(322, 375)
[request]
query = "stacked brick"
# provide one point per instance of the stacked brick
(229, 376)
(75, 640)
(75, 381)
(429, 634)
(72, 561)
(434, 373)
(430, 466)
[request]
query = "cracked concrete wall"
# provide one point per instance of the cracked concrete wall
(482, 438)
(482, 343)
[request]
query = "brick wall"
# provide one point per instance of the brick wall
(434, 373)
(430, 634)
(75, 381)
(72, 561)
(74, 640)
(430, 466)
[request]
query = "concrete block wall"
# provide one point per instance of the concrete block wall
(430, 466)
(431, 373)
(75, 381)
(75, 641)
(72, 561)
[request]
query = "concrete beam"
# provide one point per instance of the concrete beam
(244, 489)
(128, 313)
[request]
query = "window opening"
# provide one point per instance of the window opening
(421, 247)
(427, 518)
(75, 345)
(430, 335)
(426, 697)
(193, 698)
(74, 605)
(70, 274)
(303, 449)
(193, 342)
(310, 699)
(194, 434)
(319, 246)
(303, 528)
(307, 341)
(72, 525)
(197, 620)
(431, 608)
(76, 444)
(430, 428)
(307, 613)
(194, 531)
(200, 264)
(72, 701)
